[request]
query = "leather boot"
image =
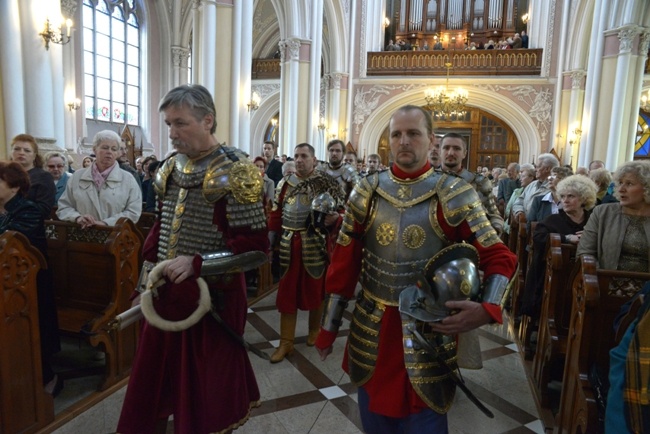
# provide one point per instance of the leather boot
(287, 333)
(314, 325)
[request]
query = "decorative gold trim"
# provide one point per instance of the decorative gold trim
(433, 219)
(405, 204)
(385, 233)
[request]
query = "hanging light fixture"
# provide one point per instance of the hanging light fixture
(442, 102)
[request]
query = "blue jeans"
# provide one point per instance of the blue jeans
(427, 421)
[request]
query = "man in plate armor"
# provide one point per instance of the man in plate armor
(210, 206)
(303, 245)
(453, 150)
(395, 222)
(345, 174)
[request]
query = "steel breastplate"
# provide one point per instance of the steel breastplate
(296, 209)
(400, 237)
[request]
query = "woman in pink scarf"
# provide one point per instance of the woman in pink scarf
(102, 193)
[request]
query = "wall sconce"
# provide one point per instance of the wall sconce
(74, 104)
(575, 136)
(255, 102)
(525, 18)
(321, 125)
(386, 22)
(57, 35)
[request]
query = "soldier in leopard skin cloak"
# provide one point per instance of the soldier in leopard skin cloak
(303, 246)
(396, 220)
(210, 203)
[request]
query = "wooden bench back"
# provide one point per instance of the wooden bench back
(95, 272)
(24, 405)
(591, 337)
(555, 314)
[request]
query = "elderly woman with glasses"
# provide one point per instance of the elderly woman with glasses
(577, 195)
(57, 165)
(102, 193)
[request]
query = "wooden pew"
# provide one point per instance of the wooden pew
(25, 407)
(515, 240)
(525, 249)
(555, 316)
(591, 336)
(95, 271)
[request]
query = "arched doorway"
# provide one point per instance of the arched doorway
(491, 142)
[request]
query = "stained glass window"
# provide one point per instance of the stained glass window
(642, 146)
(111, 42)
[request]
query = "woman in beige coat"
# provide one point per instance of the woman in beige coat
(102, 193)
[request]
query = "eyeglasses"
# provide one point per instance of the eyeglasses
(55, 166)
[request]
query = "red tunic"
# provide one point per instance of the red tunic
(200, 375)
(389, 388)
(297, 289)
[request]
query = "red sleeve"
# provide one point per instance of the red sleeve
(241, 239)
(343, 271)
(275, 216)
(150, 247)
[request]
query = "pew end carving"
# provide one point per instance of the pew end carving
(25, 407)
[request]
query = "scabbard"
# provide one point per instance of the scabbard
(460, 383)
(126, 318)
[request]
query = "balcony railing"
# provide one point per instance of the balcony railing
(266, 68)
(464, 62)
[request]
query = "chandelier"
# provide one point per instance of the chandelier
(442, 103)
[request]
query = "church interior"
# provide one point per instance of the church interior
(293, 71)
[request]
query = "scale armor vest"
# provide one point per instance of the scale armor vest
(296, 214)
(401, 234)
(188, 190)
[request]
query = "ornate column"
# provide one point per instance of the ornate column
(314, 70)
(292, 119)
(11, 73)
(72, 118)
(42, 72)
(241, 74)
(222, 63)
(196, 44)
(179, 65)
(575, 117)
(208, 36)
(336, 104)
(623, 82)
(593, 83)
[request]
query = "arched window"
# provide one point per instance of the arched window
(111, 43)
(642, 146)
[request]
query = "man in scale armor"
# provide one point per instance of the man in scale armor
(305, 209)
(395, 223)
(210, 208)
